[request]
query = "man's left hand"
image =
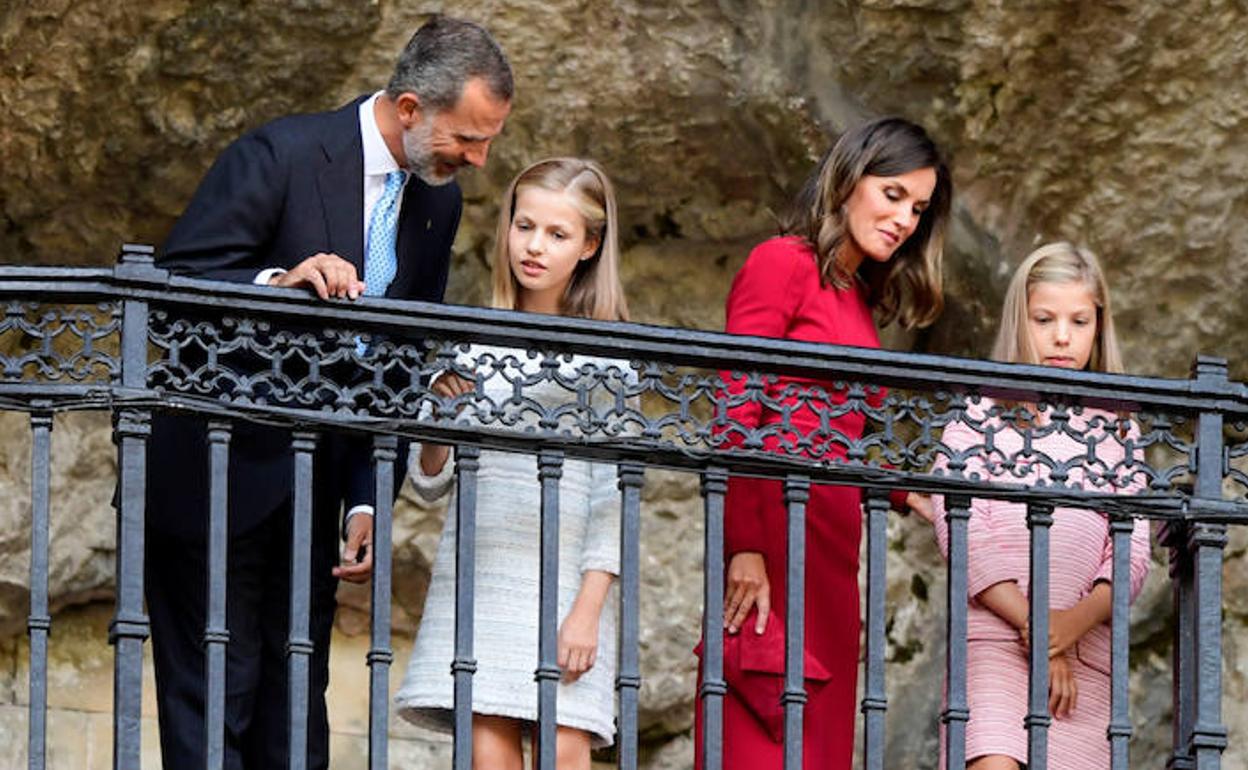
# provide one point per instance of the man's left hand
(359, 537)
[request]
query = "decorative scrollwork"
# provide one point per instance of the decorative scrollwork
(543, 392)
(59, 343)
(1236, 466)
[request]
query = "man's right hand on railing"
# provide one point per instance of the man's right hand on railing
(747, 586)
(329, 275)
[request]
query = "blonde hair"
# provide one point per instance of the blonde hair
(906, 288)
(595, 290)
(1059, 262)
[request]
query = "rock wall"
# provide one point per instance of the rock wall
(1110, 123)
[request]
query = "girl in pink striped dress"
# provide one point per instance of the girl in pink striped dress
(1056, 313)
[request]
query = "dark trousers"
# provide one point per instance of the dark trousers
(257, 717)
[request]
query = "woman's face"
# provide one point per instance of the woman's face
(546, 240)
(1062, 320)
(883, 211)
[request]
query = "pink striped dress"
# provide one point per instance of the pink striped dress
(1081, 554)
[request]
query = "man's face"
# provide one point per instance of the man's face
(441, 142)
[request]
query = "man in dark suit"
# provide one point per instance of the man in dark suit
(361, 200)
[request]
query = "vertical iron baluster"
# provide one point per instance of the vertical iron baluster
(549, 471)
(796, 494)
(1183, 656)
(1119, 730)
(1039, 520)
(1207, 542)
(39, 623)
(129, 627)
(299, 644)
(216, 635)
(957, 711)
(380, 655)
(628, 680)
(467, 462)
(875, 698)
(714, 486)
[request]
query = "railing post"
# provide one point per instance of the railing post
(875, 697)
(628, 680)
(216, 634)
(464, 666)
(129, 627)
(549, 470)
(796, 495)
(299, 645)
(1206, 541)
(714, 487)
(1173, 536)
(39, 623)
(380, 655)
(957, 711)
(1037, 721)
(1119, 730)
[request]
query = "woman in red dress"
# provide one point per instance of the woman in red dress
(862, 242)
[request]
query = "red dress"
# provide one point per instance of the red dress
(777, 293)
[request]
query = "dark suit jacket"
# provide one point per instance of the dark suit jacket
(274, 197)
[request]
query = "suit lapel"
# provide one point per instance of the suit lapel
(414, 235)
(341, 185)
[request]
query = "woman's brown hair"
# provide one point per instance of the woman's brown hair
(906, 288)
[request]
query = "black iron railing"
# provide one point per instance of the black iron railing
(134, 339)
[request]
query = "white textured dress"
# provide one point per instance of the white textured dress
(508, 520)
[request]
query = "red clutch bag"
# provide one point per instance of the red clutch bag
(754, 671)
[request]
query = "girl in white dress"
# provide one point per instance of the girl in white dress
(556, 252)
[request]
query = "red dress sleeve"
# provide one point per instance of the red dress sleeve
(762, 302)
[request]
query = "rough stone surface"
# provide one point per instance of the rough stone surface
(1115, 124)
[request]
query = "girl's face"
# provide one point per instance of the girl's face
(1062, 321)
(883, 211)
(546, 240)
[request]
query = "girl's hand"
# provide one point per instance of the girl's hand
(433, 458)
(449, 385)
(1065, 629)
(1062, 689)
(747, 586)
(922, 505)
(578, 643)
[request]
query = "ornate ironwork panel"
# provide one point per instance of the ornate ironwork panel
(50, 343)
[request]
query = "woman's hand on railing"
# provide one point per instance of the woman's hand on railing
(747, 586)
(1063, 692)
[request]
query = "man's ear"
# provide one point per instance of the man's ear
(409, 109)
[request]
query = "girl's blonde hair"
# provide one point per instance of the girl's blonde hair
(906, 288)
(595, 290)
(1059, 262)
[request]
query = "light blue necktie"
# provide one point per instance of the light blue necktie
(380, 263)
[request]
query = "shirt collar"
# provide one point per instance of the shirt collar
(378, 160)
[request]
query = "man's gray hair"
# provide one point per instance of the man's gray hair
(443, 55)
